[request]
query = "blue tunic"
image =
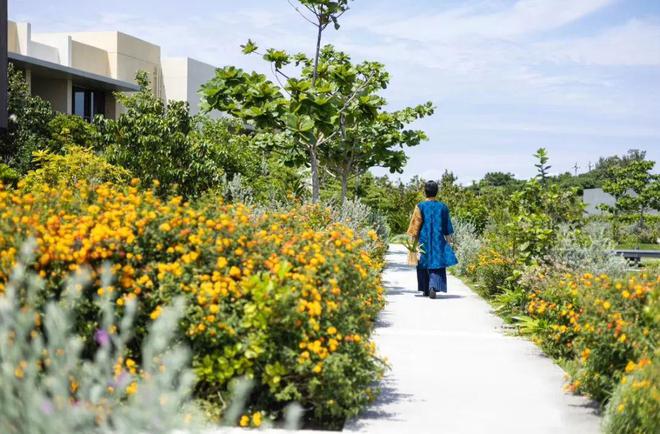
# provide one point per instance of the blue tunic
(436, 223)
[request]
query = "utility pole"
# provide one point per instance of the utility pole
(4, 97)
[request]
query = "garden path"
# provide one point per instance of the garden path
(455, 370)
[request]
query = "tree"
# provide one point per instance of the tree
(367, 140)
(542, 167)
(28, 129)
(309, 107)
(323, 13)
(635, 189)
(498, 179)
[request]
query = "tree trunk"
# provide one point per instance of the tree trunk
(344, 187)
(314, 164)
(318, 50)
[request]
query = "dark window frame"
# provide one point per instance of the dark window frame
(93, 103)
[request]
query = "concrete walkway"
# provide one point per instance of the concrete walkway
(455, 371)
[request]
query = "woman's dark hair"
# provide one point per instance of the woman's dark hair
(431, 189)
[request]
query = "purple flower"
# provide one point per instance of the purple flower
(102, 337)
(47, 407)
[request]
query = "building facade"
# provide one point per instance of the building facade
(594, 198)
(78, 73)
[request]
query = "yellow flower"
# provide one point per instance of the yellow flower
(620, 408)
(256, 419)
(332, 330)
(221, 262)
(132, 388)
(245, 421)
(156, 313)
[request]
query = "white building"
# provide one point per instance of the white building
(79, 72)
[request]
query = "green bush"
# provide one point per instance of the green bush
(67, 130)
(47, 386)
(162, 142)
(8, 176)
(618, 323)
(635, 404)
(75, 165)
(28, 129)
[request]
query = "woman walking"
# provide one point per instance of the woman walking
(431, 228)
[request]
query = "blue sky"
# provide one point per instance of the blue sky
(579, 77)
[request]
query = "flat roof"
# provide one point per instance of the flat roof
(48, 69)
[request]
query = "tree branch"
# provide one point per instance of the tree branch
(275, 71)
(301, 14)
(357, 91)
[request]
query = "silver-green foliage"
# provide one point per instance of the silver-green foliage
(467, 244)
(46, 386)
(359, 216)
(589, 249)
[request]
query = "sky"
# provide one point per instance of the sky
(578, 77)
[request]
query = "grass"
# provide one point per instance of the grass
(638, 246)
(398, 239)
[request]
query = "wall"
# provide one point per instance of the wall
(12, 37)
(596, 196)
(57, 92)
(90, 59)
(175, 76)
(183, 78)
(53, 47)
(199, 73)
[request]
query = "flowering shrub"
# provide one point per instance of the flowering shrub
(48, 386)
(602, 326)
(288, 299)
(619, 324)
(493, 270)
(635, 405)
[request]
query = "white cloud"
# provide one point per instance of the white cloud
(524, 17)
(635, 43)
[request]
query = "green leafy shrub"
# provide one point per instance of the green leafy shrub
(67, 130)
(618, 324)
(8, 176)
(28, 129)
(158, 142)
(635, 404)
(47, 386)
(75, 165)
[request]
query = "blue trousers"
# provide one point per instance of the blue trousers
(435, 280)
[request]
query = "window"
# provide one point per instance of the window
(88, 103)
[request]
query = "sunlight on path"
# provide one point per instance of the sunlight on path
(455, 371)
